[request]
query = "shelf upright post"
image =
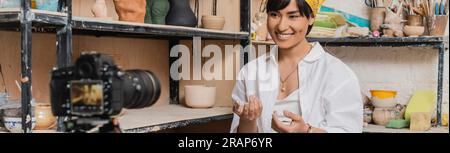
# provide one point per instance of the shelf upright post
(245, 27)
(25, 61)
(441, 48)
(64, 45)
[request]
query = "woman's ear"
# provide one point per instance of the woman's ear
(311, 21)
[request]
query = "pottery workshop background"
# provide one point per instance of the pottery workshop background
(404, 69)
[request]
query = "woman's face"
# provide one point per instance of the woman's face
(287, 27)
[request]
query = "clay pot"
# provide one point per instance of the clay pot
(199, 96)
(437, 25)
(157, 11)
(377, 16)
(384, 103)
(181, 14)
(382, 116)
(99, 9)
(44, 117)
(414, 20)
(131, 10)
(414, 31)
(213, 22)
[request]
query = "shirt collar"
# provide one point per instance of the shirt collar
(316, 53)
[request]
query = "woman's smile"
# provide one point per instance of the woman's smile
(283, 36)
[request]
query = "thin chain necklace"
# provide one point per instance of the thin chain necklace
(283, 85)
(283, 82)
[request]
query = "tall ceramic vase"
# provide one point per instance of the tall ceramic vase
(99, 9)
(131, 10)
(181, 14)
(157, 11)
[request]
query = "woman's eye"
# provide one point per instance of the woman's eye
(294, 16)
(273, 14)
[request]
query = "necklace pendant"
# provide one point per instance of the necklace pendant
(283, 89)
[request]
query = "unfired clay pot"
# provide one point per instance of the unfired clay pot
(44, 117)
(213, 22)
(414, 31)
(394, 22)
(382, 116)
(199, 96)
(131, 10)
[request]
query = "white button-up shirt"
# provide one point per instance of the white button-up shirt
(330, 96)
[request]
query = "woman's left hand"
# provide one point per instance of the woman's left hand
(297, 125)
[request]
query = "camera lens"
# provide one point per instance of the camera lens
(142, 89)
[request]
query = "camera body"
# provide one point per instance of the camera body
(96, 87)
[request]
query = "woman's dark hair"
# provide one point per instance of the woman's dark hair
(304, 8)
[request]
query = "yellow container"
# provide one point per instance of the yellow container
(383, 94)
(445, 120)
(33, 4)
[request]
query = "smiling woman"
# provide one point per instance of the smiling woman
(305, 89)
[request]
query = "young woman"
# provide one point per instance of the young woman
(299, 87)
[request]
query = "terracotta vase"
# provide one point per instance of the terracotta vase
(157, 11)
(131, 10)
(44, 117)
(181, 14)
(99, 9)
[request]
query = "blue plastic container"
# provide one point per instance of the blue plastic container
(49, 5)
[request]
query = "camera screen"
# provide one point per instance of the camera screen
(86, 96)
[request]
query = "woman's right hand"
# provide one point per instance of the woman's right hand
(250, 111)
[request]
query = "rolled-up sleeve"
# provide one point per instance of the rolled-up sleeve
(238, 95)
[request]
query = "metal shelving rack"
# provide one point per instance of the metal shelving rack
(27, 20)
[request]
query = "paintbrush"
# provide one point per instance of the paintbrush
(442, 7)
(437, 7)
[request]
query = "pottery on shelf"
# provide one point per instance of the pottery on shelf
(414, 31)
(377, 16)
(382, 116)
(12, 116)
(131, 10)
(213, 22)
(384, 103)
(414, 20)
(44, 117)
(261, 26)
(100, 10)
(199, 96)
(437, 25)
(181, 14)
(393, 22)
(156, 11)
